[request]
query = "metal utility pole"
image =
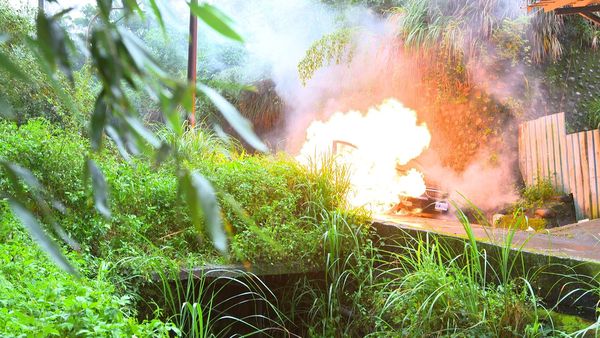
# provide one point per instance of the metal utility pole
(192, 58)
(41, 6)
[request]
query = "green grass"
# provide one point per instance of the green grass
(201, 306)
(421, 286)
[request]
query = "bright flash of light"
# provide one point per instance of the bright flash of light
(372, 145)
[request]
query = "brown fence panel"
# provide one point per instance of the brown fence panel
(562, 141)
(570, 162)
(591, 136)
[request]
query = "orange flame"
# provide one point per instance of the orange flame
(372, 145)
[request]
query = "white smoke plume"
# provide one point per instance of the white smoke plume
(278, 34)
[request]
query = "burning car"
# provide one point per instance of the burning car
(433, 201)
(372, 145)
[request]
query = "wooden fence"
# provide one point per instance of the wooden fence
(569, 161)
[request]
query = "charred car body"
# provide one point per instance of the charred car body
(431, 203)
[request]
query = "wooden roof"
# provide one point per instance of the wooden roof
(585, 8)
(550, 5)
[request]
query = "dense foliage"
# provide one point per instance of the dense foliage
(36, 97)
(37, 299)
(274, 211)
(272, 207)
(269, 203)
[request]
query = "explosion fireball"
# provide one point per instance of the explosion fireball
(372, 146)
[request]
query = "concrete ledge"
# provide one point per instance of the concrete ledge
(579, 242)
(560, 265)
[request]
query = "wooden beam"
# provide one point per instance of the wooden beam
(591, 16)
(565, 6)
(577, 10)
(557, 4)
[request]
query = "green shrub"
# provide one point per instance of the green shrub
(37, 299)
(537, 194)
(149, 218)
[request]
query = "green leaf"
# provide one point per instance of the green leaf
(98, 123)
(132, 6)
(105, 7)
(204, 208)
(51, 77)
(52, 41)
(6, 109)
(100, 188)
(116, 138)
(138, 127)
(39, 235)
(10, 67)
(169, 100)
(216, 19)
(241, 125)
(135, 47)
(158, 14)
(16, 172)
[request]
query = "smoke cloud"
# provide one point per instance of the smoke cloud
(278, 34)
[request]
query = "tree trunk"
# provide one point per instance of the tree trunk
(192, 59)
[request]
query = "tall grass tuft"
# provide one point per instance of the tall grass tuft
(417, 286)
(203, 305)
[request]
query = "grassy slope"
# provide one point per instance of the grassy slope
(39, 300)
(149, 230)
(280, 198)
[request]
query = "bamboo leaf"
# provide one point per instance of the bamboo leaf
(53, 41)
(100, 188)
(16, 172)
(10, 67)
(116, 138)
(50, 76)
(216, 19)
(158, 14)
(39, 235)
(138, 127)
(204, 208)
(98, 123)
(241, 125)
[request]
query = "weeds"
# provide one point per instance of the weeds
(221, 302)
(419, 286)
(537, 194)
(593, 114)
